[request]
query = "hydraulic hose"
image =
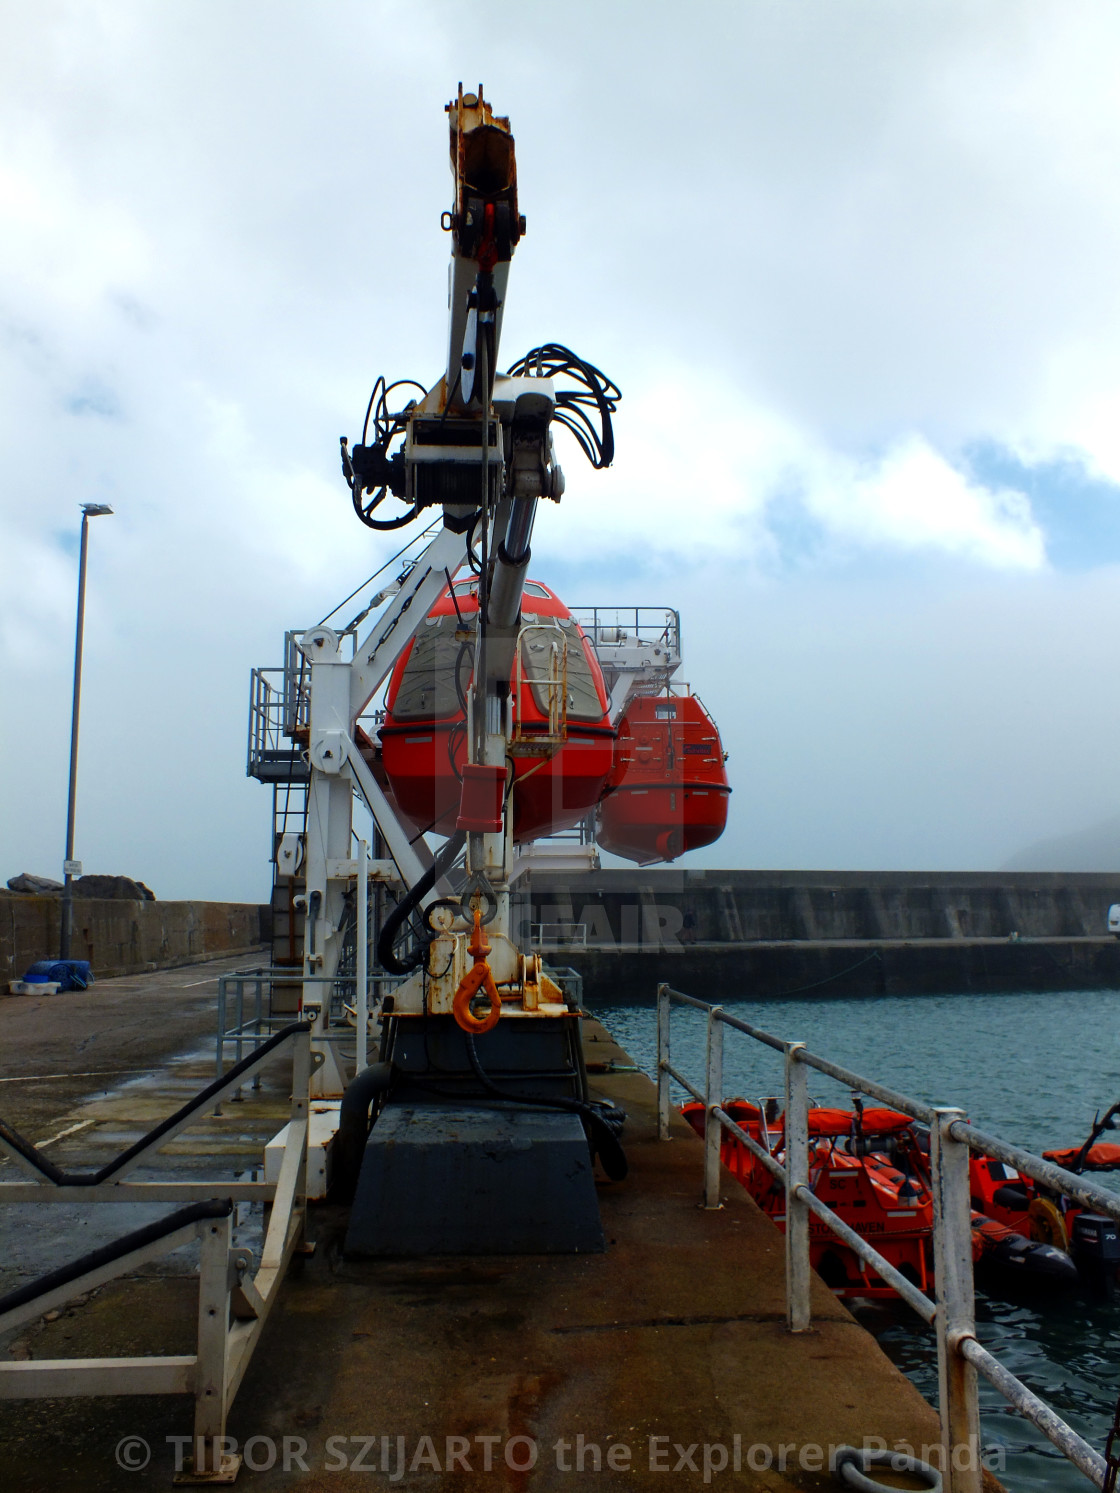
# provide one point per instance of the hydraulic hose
(599, 1131)
(407, 906)
(353, 1127)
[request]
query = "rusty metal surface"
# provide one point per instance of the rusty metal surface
(482, 151)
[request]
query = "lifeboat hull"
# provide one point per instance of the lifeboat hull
(1048, 1219)
(668, 792)
(660, 824)
(425, 769)
(423, 739)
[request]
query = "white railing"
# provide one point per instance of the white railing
(952, 1311)
(613, 627)
(558, 935)
(236, 1292)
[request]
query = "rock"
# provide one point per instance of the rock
(38, 885)
(123, 887)
(113, 886)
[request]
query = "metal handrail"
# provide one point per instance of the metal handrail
(641, 624)
(54, 1282)
(558, 935)
(556, 685)
(49, 1182)
(235, 1293)
(952, 1312)
(257, 1028)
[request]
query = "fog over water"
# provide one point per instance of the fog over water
(853, 268)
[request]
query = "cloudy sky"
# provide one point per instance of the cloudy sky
(854, 266)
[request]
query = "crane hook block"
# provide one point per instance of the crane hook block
(478, 980)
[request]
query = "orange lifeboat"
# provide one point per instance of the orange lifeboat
(668, 790)
(563, 748)
(871, 1169)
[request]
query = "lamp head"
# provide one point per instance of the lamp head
(95, 510)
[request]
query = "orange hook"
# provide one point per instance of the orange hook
(479, 978)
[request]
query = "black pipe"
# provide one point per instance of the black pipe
(107, 1253)
(506, 591)
(407, 905)
(601, 1134)
(48, 1169)
(353, 1128)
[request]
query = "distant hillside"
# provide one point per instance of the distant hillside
(1095, 849)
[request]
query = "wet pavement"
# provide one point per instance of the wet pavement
(55, 1050)
(449, 1373)
(85, 1074)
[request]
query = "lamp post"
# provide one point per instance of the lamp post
(89, 510)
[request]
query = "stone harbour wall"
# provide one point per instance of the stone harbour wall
(120, 936)
(775, 933)
(749, 906)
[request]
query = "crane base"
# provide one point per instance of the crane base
(475, 1180)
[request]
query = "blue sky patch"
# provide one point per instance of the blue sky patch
(1078, 512)
(93, 399)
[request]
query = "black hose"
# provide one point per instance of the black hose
(353, 1128)
(407, 905)
(107, 1254)
(464, 648)
(54, 1174)
(601, 1133)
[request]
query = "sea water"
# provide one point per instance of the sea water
(1033, 1069)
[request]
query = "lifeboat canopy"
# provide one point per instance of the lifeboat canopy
(562, 746)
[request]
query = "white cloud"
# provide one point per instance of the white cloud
(699, 472)
(821, 248)
(913, 499)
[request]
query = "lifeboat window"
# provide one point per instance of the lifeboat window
(537, 652)
(427, 688)
(665, 712)
(533, 589)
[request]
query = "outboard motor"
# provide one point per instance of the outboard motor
(1095, 1244)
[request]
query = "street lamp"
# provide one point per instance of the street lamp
(70, 867)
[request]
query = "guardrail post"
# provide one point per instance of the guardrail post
(239, 1040)
(258, 1019)
(952, 1262)
(713, 1098)
(210, 1389)
(301, 1105)
(798, 1314)
(361, 994)
(220, 1053)
(663, 1062)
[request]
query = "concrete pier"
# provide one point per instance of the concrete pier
(662, 1361)
(771, 934)
(615, 1365)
